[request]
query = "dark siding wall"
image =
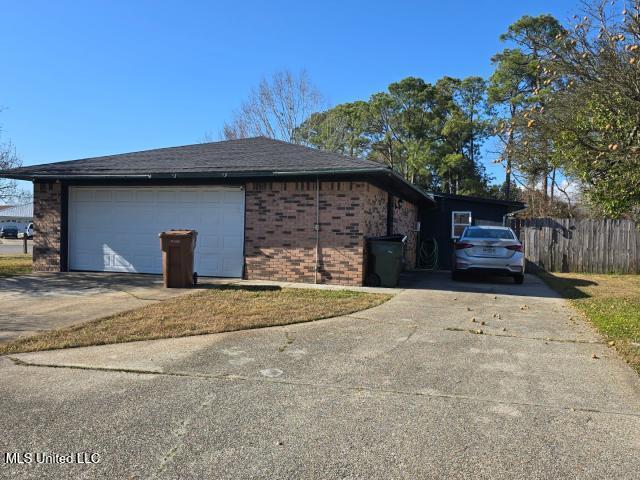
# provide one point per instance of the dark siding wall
(436, 223)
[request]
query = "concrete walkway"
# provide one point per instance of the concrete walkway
(410, 389)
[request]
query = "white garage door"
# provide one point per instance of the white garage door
(116, 229)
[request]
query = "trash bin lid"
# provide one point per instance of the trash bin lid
(178, 233)
(388, 238)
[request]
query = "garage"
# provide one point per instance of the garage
(115, 229)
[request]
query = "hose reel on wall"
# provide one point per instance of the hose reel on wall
(428, 257)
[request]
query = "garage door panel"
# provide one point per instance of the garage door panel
(84, 196)
(211, 260)
(168, 196)
(146, 196)
(187, 196)
(116, 229)
(208, 243)
(229, 268)
(103, 196)
(124, 196)
(230, 243)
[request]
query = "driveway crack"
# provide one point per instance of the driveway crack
(412, 331)
(181, 432)
(288, 340)
(524, 337)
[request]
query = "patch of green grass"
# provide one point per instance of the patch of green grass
(219, 309)
(15, 265)
(610, 302)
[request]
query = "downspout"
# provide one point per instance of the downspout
(317, 228)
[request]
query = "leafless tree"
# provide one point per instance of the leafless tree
(275, 108)
(9, 159)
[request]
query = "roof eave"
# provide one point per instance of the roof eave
(409, 189)
(186, 175)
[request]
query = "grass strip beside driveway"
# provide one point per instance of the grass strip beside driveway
(611, 302)
(219, 309)
(15, 265)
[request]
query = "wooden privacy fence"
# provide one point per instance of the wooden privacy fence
(568, 245)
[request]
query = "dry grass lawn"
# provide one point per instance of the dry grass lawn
(15, 264)
(220, 309)
(611, 302)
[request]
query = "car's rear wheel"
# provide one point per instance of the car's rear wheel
(518, 279)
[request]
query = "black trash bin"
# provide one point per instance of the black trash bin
(386, 260)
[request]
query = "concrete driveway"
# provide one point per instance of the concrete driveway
(37, 302)
(404, 390)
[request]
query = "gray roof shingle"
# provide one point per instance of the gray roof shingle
(248, 157)
(257, 154)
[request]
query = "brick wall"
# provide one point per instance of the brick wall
(280, 237)
(405, 216)
(375, 219)
(375, 213)
(47, 215)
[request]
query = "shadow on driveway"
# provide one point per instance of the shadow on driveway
(84, 283)
(44, 301)
(533, 286)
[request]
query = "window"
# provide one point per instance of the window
(459, 221)
(492, 233)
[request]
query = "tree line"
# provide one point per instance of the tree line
(563, 102)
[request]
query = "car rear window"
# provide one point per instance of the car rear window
(495, 233)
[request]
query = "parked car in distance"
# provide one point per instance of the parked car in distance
(488, 250)
(28, 232)
(9, 231)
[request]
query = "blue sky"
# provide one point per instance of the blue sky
(82, 79)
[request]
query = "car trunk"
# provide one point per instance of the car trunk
(490, 248)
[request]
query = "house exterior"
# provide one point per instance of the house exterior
(19, 216)
(263, 209)
(453, 213)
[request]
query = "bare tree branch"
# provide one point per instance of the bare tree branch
(276, 108)
(8, 159)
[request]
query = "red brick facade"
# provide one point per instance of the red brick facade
(280, 234)
(405, 218)
(47, 217)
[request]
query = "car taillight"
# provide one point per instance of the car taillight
(517, 248)
(461, 246)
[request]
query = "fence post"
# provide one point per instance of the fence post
(24, 244)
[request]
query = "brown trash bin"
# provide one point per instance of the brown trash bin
(177, 258)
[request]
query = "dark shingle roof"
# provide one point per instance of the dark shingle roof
(258, 154)
(243, 158)
(468, 198)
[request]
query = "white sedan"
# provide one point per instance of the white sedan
(489, 250)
